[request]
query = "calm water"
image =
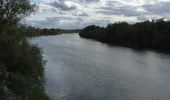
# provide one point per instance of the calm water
(81, 69)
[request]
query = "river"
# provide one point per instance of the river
(83, 69)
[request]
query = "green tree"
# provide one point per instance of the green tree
(12, 11)
(153, 34)
(21, 64)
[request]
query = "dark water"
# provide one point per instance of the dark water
(81, 69)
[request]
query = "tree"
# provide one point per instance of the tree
(21, 64)
(153, 34)
(12, 11)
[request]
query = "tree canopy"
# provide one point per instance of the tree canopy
(153, 34)
(12, 11)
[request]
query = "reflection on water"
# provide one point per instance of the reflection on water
(81, 69)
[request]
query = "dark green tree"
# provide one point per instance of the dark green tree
(153, 34)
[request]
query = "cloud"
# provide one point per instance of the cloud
(90, 1)
(158, 7)
(80, 13)
(64, 19)
(46, 8)
(65, 5)
(124, 11)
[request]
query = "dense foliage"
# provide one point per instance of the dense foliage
(21, 64)
(153, 34)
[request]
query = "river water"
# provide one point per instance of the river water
(83, 69)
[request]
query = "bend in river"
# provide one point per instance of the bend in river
(82, 69)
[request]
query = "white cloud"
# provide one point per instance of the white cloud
(80, 13)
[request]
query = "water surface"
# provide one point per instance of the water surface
(82, 69)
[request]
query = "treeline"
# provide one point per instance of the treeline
(21, 64)
(42, 32)
(153, 34)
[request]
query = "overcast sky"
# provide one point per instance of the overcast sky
(74, 14)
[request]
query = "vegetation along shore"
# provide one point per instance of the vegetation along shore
(21, 63)
(153, 34)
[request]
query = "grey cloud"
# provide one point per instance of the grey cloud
(92, 0)
(125, 11)
(64, 18)
(45, 8)
(158, 7)
(128, 12)
(62, 5)
(57, 18)
(117, 8)
(80, 13)
(41, 23)
(143, 18)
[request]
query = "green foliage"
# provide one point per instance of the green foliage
(21, 64)
(153, 34)
(21, 69)
(12, 11)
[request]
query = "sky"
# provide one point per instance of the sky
(77, 14)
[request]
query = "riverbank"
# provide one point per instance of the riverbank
(21, 63)
(143, 35)
(21, 72)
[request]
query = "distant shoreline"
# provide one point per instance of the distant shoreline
(45, 32)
